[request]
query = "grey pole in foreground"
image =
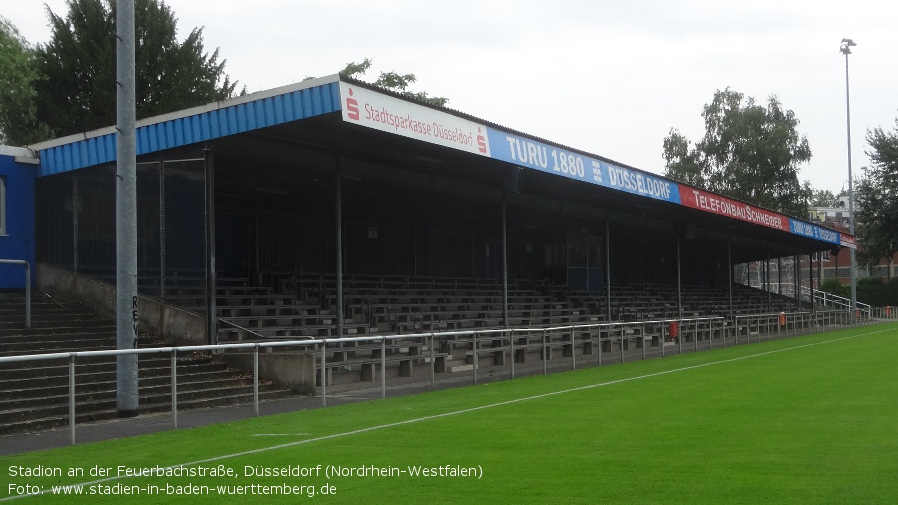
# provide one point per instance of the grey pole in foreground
(126, 213)
(847, 44)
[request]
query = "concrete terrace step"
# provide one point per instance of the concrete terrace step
(201, 383)
(46, 387)
(189, 388)
(34, 394)
(45, 419)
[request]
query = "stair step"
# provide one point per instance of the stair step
(34, 395)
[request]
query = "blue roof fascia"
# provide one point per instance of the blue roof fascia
(199, 124)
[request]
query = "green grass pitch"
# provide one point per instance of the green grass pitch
(809, 420)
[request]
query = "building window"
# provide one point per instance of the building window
(2, 205)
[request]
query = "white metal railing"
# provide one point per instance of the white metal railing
(832, 301)
(600, 337)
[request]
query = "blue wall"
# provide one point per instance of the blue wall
(18, 243)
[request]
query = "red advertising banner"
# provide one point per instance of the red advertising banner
(723, 206)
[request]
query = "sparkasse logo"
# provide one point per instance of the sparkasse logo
(352, 105)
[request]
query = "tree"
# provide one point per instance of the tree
(393, 81)
(79, 64)
(749, 152)
(824, 198)
(18, 70)
(877, 198)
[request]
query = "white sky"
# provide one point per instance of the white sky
(610, 78)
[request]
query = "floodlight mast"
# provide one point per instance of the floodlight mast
(845, 49)
(127, 398)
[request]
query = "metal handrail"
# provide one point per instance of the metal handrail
(835, 300)
(241, 328)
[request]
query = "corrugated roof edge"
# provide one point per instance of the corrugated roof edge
(221, 104)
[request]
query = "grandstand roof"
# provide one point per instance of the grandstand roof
(352, 119)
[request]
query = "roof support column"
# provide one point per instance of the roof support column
(819, 269)
(779, 275)
(811, 280)
(75, 221)
(796, 279)
(767, 275)
(211, 274)
(679, 281)
(127, 397)
(607, 269)
(730, 273)
(338, 223)
(505, 264)
(162, 245)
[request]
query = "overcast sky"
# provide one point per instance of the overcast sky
(611, 78)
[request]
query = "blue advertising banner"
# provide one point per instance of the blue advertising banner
(813, 231)
(554, 160)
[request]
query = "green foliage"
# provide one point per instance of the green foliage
(18, 69)
(870, 290)
(824, 198)
(749, 152)
(393, 81)
(79, 91)
(834, 287)
(877, 292)
(877, 198)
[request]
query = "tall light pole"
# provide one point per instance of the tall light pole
(847, 44)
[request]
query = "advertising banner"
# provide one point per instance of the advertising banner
(723, 206)
(530, 153)
(814, 231)
(392, 115)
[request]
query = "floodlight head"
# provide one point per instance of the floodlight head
(847, 44)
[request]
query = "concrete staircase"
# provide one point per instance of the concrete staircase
(34, 395)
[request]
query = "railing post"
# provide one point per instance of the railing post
(573, 350)
(710, 333)
(256, 379)
(383, 367)
(622, 342)
(642, 337)
(663, 338)
(28, 295)
(511, 336)
(474, 359)
(545, 355)
(433, 375)
(680, 333)
(72, 398)
(174, 388)
(323, 373)
(695, 335)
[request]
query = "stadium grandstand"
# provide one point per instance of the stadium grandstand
(330, 208)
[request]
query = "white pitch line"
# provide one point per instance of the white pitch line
(281, 434)
(453, 413)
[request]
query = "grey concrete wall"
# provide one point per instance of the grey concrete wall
(295, 370)
(176, 326)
